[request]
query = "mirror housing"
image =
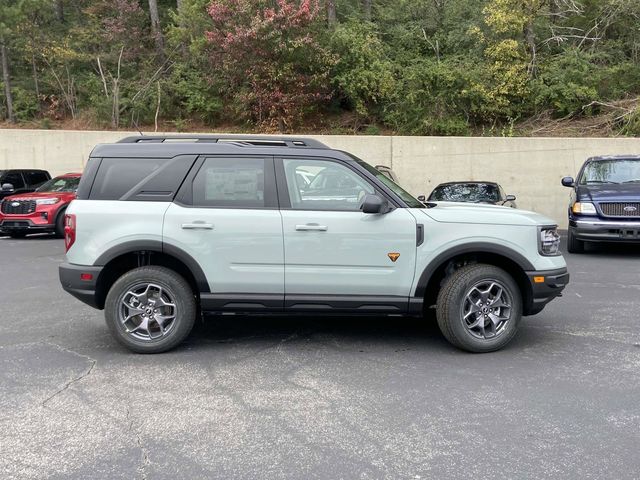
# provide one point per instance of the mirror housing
(510, 198)
(374, 204)
(7, 188)
(422, 198)
(568, 182)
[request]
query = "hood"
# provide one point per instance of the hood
(453, 212)
(610, 192)
(35, 195)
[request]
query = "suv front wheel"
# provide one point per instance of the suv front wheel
(150, 309)
(479, 308)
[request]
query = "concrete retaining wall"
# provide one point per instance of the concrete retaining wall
(529, 168)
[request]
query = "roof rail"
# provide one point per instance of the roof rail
(251, 140)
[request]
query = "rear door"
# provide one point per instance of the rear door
(336, 256)
(226, 217)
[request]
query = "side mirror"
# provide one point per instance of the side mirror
(568, 182)
(510, 198)
(374, 204)
(422, 198)
(7, 188)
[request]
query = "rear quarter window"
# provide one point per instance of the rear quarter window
(117, 176)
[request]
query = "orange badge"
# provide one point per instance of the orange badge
(393, 256)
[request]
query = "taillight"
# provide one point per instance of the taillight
(69, 231)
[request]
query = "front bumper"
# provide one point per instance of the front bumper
(83, 290)
(597, 230)
(24, 224)
(545, 286)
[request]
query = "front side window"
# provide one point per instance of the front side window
(324, 185)
(611, 171)
(60, 184)
(15, 179)
(231, 182)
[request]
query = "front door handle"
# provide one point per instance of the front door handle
(197, 226)
(312, 227)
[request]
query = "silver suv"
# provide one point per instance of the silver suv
(167, 228)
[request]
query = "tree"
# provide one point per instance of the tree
(156, 29)
(273, 67)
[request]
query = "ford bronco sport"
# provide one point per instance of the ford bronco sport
(165, 228)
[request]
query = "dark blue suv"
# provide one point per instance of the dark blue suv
(605, 201)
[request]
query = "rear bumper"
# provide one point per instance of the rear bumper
(545, 286)
(597, 230)
(83, 290)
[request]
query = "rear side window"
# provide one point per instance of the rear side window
(116, 176)
(35, 178)
(234, 182)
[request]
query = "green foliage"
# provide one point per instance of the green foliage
(427, 67)
(566, 83)
(430, 99)
(362, 75)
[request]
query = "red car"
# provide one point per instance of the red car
(40, 211)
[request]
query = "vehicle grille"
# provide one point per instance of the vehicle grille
(620, 209)
(18, 207)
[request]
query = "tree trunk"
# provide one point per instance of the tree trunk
(156, 29)
(7, 81)
(331, 13)
(530, 38)
(366, 8)
(59, 10)
(36, 82)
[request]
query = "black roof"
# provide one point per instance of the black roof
(168, 146)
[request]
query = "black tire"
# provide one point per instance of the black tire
(451, 303)
(173, 285)
(573, 244)
(59, 231)
(17, 234)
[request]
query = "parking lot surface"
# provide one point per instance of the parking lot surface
(307, 398)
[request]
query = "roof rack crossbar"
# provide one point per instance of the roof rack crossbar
(252, 140)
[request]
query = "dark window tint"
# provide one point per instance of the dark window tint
(116, 176)
(35, 178)
(15, 179)
(230, 182)
(466, 192)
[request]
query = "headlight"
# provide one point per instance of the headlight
(47, 201)
(584, 208)
(549, 241)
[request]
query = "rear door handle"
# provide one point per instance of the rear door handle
(197, 226)
(312, 227)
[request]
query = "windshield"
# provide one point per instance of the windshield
(611, 171)
(60, 184)
(409, 199)
(466, 192)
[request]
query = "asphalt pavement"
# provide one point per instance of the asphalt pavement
(320, 398)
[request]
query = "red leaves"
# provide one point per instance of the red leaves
(275, 69)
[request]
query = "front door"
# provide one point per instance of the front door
(336, 256)
(229, 222)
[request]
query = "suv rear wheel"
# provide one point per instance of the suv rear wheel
(150, 309)
(479, 308)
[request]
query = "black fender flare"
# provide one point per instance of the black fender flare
(157, 246)
(471, 247)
